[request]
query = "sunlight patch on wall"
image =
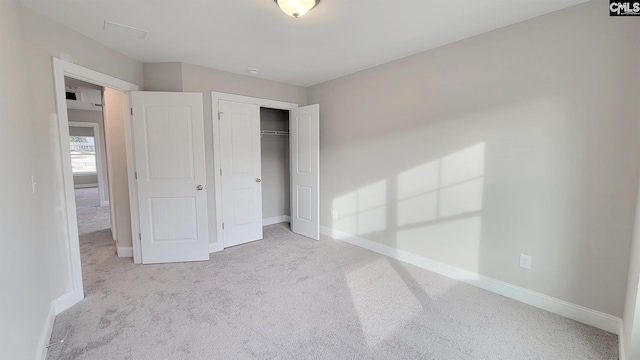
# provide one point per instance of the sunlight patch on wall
(438, 205)
(382, 300)
(461, 198)
(417, 194)
(442, 188)
(363, 211)
(463, 165)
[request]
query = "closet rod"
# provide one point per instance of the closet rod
(274, 132)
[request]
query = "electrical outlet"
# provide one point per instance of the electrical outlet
(525, 261)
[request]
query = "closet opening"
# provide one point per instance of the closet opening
(267, 168)
(276, 174)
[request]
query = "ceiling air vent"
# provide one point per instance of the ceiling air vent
(125, 30)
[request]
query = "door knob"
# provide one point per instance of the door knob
(258, 179)
(199, 187)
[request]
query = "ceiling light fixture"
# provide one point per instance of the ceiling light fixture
(296, 8)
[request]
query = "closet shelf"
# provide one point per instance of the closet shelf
(274, 132)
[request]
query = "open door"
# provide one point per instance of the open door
(168, 134)
(240, 172)
(304, 137)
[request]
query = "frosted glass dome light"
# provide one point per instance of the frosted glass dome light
(296, 8)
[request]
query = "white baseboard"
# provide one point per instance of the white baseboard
(276, 220)
(125, 251)
(105, 203)
(67, 300)
(569, 310)
(45, 335)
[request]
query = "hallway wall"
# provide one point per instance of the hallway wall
(25, 294)
(34, 259)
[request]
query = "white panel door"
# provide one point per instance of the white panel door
(304, 134)
(168, 132)
(241, 172)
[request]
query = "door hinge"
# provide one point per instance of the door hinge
(222, 226)
(131, 111)
(219, 113)
(136, 175)
(220, 171)
(140, 236)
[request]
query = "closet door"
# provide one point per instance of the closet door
(240, 172)
(304, 135)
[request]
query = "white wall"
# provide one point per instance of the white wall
(24, 282)
(521, 140)
(275, 164)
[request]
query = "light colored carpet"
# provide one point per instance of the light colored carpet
(91, 216)
(288, 297)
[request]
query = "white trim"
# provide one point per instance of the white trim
(61, 69)
(276, 220)
(569, 310)
(101, 158)
(213, 247)
(110, 167)
(215, 98)
(45, 334)
(133, 186)
(125, 251)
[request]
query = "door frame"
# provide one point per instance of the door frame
(75, 291)
(217, 161)
(101, 158)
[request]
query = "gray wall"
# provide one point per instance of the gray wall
(163, 76)
(118, 174)
(520, 140)
(275, 164)
(78, 130)
(631, 317)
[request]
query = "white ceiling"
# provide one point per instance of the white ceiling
(79, 83)
(336, 38)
